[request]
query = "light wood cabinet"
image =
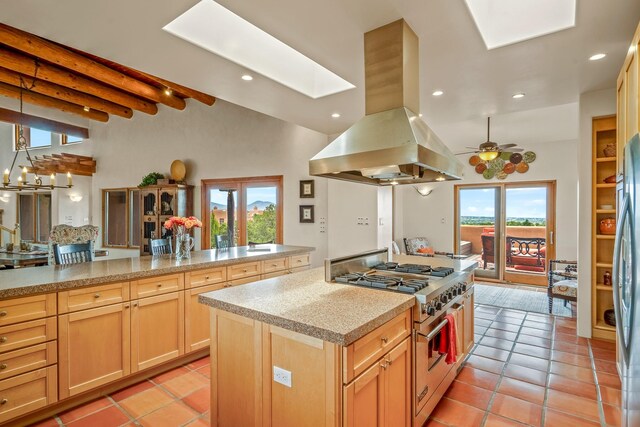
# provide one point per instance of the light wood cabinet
(157, 285)
(94, 347)
(364, 399)
(244, 270)
(95, 296)
(210, 276)
(628, 98)
(27, 308)
(296, 261)
(25, 334)
(273, 265)
(157, 330)
(196, 324)
(28, 359)
(468, 321)
(27, 392)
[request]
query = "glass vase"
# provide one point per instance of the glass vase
(184, 244)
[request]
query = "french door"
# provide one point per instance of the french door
(509, 228)
(243, 210)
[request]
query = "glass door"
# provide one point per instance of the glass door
(223, 215)
(478, 231)
(262, 203)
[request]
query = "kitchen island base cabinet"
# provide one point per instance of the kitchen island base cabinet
(196, 315)
(28, 392)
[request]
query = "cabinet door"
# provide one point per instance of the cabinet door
(157, 330)
(363, 399)
(468, 320)
(196, 329)
(94, 348)
(621, 126)
(397, 383)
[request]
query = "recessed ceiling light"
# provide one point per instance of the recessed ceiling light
(437, 93)
(87, 109)
(247, 77)
(335, 115)
(597, 56)
(217, 29)
(168, 91)
(420, 115)
(518, 95)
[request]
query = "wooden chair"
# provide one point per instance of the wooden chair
(526, 253)
(488, 249)
(563, 282)
(75, 253)
(222, 241)
(161, 246)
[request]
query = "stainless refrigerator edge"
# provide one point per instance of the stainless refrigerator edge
(626, 295)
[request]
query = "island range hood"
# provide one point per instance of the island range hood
(391, 144)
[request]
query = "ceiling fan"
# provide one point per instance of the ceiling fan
(489, 150)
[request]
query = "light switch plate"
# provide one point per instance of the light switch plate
(282, 376)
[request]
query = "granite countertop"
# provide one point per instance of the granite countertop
(303, 302)
(36, 280)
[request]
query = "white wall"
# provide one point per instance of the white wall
(592, 104)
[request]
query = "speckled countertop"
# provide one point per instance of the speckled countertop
(303, 302)
(37, 280)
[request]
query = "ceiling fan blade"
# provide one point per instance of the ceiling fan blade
(515, 150)
(471, 148)
(501, 146)
(466, 152)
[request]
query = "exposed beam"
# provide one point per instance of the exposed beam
(57, 54)
(183, 90)
(26, 65)
(49, 102)
(10, 116)
(60, 92)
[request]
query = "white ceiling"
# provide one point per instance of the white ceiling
(552, 70)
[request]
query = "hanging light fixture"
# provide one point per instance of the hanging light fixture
(488, 150)
(22, 182)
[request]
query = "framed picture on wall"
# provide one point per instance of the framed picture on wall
(307, 190)
(306, 214)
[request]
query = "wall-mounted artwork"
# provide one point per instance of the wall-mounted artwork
(306, 214)
(504, 165)
(307, 190)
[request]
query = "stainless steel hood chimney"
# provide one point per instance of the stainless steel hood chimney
(391, 144)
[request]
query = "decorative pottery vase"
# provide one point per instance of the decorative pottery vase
(610, 150)
(610, 317)
(606, 279)
(184, 244)
(608, 226)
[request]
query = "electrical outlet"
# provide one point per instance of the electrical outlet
(282, 376)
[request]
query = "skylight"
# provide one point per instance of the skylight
(504, 22)
(216, 29)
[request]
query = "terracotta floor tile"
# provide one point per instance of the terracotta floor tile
(171, 415)
(491, 353)
(108, 417)
(611, 396)
(484, 315)
(532, 350)
(478, 378)
(479, 330)
(482, 322)
(553, 418)
(611, 415)
(477, 338)
(511, 320)
(494, 420)
(526, 374)
(485, 364)
(529, 361)
(145, 402)
(522, 390)
(84, 410)
(159, 379)
(49, 422)
(205, 361)
(582, 350)
(487, 309)
(599, 353)
(537, 341)
(543, 318)
(497, 343)
(571, 359)
(199, 400)
(608, 380)
(131, 390)
(570, 338)
(513, 313)
(517, 409)
(185, 384)
(537, 325)
(469, 395)
(571, 404)
(572, 371)
(433, 423)
(565, 329)
(206, 371)
(457, 414)
(535, 332)
(604, 345)
(201, 422)
(505, 326)
(499, 333)
(572, 386)
(606, 366)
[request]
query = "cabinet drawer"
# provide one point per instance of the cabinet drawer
(27, 308)
(298, 260)
(206, 277)
(13, 337)
(95, 296)
(157, 285)
(243, 270)
(27, 392)
(27, 359)
(277, 264)
(358, 356)
(242, 281)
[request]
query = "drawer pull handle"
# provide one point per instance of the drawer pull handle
(274, 265)
(389, 361)
(135, 305)
(126, 306)
(3, 366)
(4, 401)
(384, 340)
(384, 365)
(96, 296)
(159, 285)
(299, 260)
(206, 277)
(3, 339)
(3, 313)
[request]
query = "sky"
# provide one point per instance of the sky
(263, 194)
(526, 202)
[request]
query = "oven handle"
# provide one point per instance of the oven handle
(437, 329)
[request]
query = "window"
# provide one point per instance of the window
(70, 139)
(38, 138)
(252, 206)
(121, 217)
(34, 216)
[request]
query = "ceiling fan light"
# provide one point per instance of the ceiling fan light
(488, 155)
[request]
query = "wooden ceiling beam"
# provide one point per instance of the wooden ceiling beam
(10, 116)
(63, 93)
(183, 90)
(56, 54)
(49, 102)
(26, 65)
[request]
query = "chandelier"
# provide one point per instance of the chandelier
(22, 182)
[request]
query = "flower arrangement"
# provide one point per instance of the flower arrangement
(181, 226)
(180, 223)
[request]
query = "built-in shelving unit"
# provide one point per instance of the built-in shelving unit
(604, 133)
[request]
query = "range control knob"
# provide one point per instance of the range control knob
(452, 294)
(438, 306)
(444, 298)
(463, 285)
(431, 310)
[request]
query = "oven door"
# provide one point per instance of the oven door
(429, 365)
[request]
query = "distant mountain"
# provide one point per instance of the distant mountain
(262, 205)
(214, 205)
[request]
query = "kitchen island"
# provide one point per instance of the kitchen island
(69, 334)
(298, 350)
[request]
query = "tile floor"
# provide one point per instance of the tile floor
(526, 369)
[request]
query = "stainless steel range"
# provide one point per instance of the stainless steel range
(439, 291)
